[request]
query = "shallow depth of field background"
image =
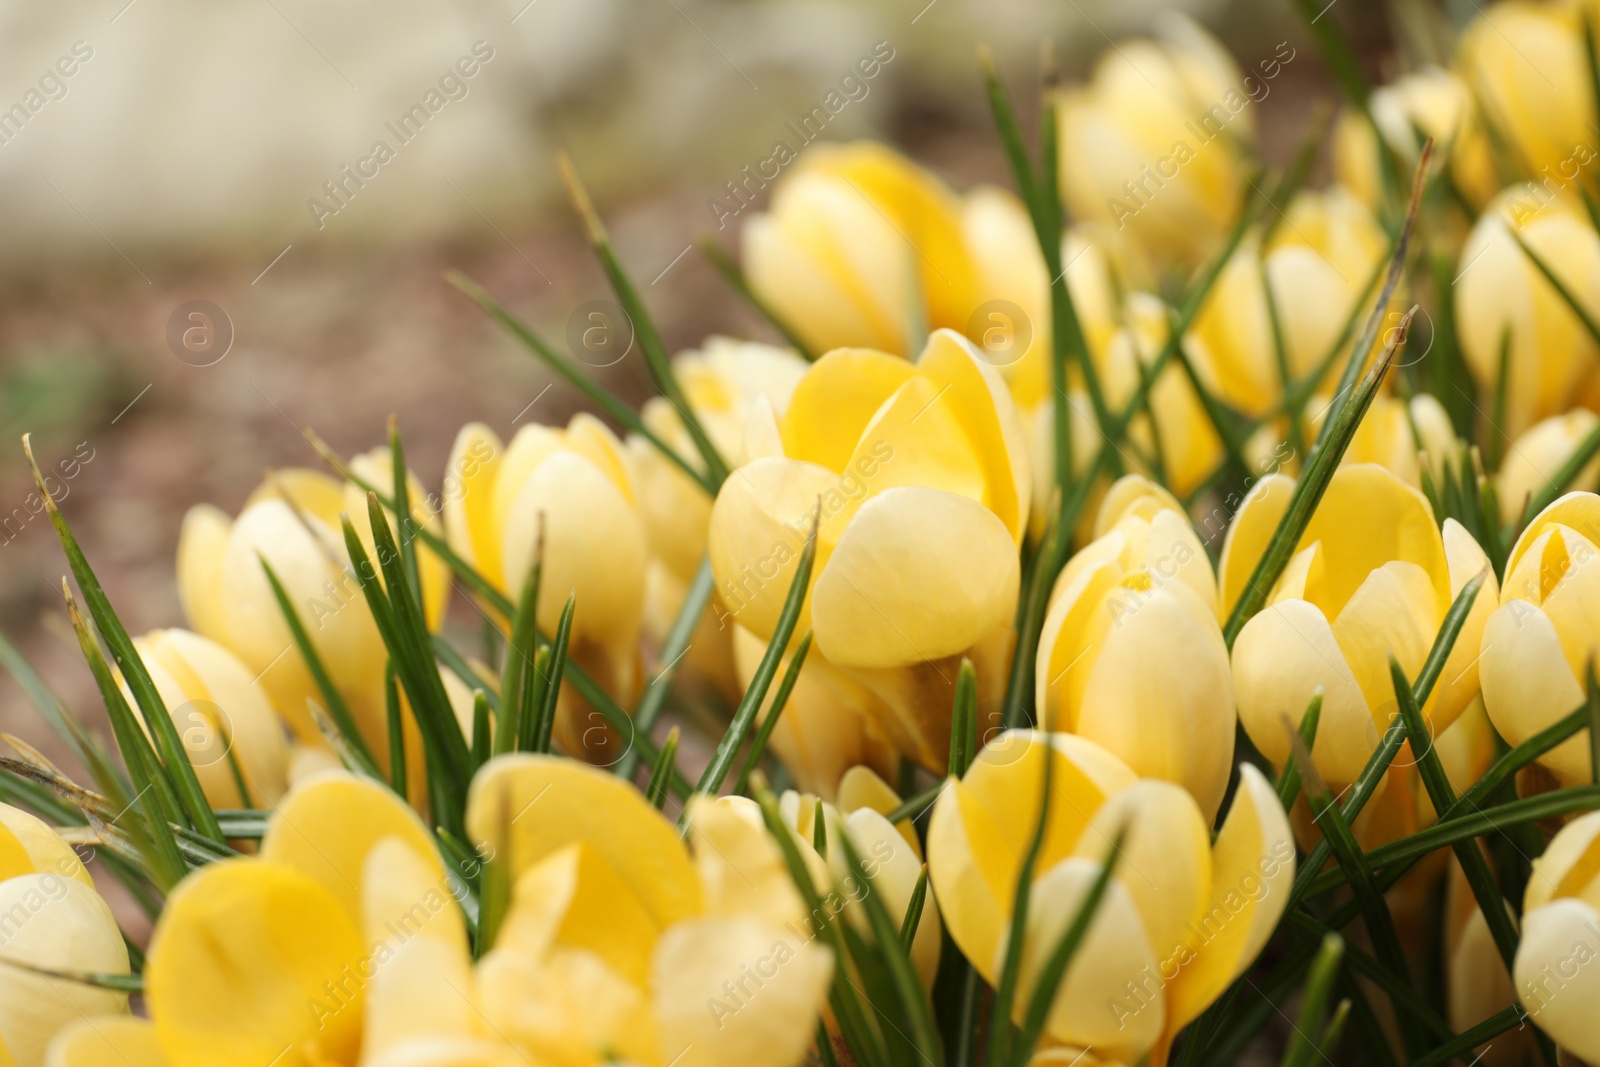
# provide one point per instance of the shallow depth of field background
(175, 164)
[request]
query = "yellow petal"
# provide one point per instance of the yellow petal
(56, 922)
(468, 495)
(759, 526)
(569, 1009)
(1569, 864)
(1263, 507)
(1392, 612)
(106, 1041)
(327, 828)
(29, 846)
(1366, 518)
(201, 545)
(834, 402)
(742, 873)
(731, 992)
(1556, 977)
(527, 806)
(422, 989)
(1527, 685)
(251, 961)
(862, 787)
(892, 868)
(919, 574)
(1279, 659)
(984, 407)
(1458, 682)
(1253, 864)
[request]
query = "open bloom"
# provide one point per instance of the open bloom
(624, 943)
(1181, 919)
(1151, 142)
(1502, 298)
(1540, 639)
(1317, 265)
(292, 522)
(1536, 457)
(855, 233)
(1131, 655)
(1557, 966)
(1372, 575)
(922, 483)
(575, 485)
(52, 918)
(1522, 61)
(1431, 102)
(223, 718)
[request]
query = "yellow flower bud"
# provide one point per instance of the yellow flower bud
(51, 918)
(106, 1041)
(1524, 62)
(1131, 655)
(1372, 575)
(1403, 437)
(1501, 293)
(1151, 143)
(1533, 459)
(853, 234)
(223, 718)
(292, 521)
(1427, 103)
(923, 486)
(1477, 983)
(1321, 257)
(1181, 918)
(1540, 639)
(1557, 967)
(575, 485)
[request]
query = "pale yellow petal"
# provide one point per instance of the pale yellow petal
(1557, 979)
(106, 1041)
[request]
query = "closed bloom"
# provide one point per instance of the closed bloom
(1477, 983)
(1372, 575)
(1502, 298)
(922, 481)
(1557, 967)
(1539, 641)
(1151, 143)
(1526, 64)
(1181, 919)
(576, 486)
(53, 919)
(1431, 102)
(624, 943)
(1534, 459)
(854, 234)
(224, 720)
(1132, 656)
(1405, 437)
(1318, 264)
(292, 521)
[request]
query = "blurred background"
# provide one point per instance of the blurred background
(154, 153)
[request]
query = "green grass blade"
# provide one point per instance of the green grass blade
(674, 648)
(1574, 305)
(397, 732)
(1558, 483)
(1319, 987)
(404, 519)
(1500, 1022)
(964, 721)
(151, 707)
(481, 750)
(550, 686)
(650, 343)
(756, 692)
(779, 702)
(1289, 780)
(913, 916)
(656, 790)
(513, 713)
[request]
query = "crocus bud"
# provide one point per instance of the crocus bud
(575, 485)
(1372, 576)
(1540, 640)
(1556, 977)
(1426, 103)
(854, 233)
(1477, 983)
(50, 918)
(1152, 142)
(1132, 656)
(1181, 918)
(1535, 458)
(223, 718)
(922, 481)
(1505, 304)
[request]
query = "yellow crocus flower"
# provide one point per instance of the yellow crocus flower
(1556, 972)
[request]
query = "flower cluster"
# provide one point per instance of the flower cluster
(1197, 602)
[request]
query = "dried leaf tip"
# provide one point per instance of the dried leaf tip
(580, 199)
